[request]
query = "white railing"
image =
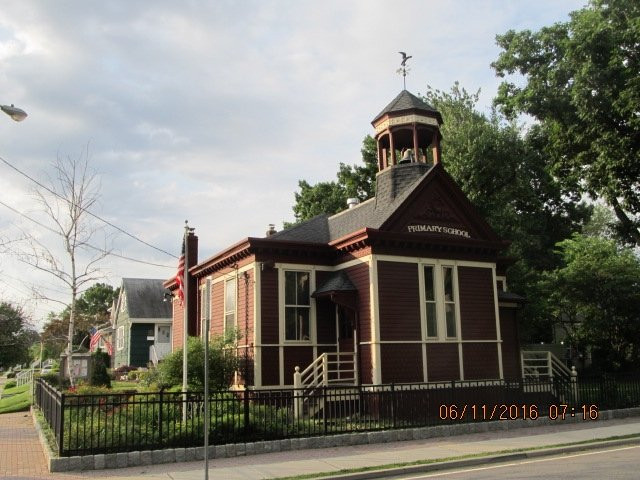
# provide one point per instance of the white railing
(25, 376)
(544, 364)
(153, 355)
(328, 369)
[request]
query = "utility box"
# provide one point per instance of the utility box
(80, 365)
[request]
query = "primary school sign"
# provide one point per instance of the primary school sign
(438, 229)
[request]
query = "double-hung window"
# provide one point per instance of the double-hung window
(297, 305)
(440, 301)
(230, 296)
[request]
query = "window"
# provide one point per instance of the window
(430, 300)
(230, 305)
(120, 338)
(440, 301)
(297, 305)
(449, 301)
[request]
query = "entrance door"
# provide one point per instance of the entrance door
(345, 330)
(163, 341)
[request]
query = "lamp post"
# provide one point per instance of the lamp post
(14, 112)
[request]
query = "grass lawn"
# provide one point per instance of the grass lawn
(121, 385)
(16, 399)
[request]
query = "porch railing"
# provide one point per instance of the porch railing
(544, 364)
(331, 368)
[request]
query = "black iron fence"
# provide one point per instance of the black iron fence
(120, 422)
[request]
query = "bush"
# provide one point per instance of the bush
(99, 375)
(222, 364)
(10, 384)
(120, 372)
(134, 375)
(11, 375)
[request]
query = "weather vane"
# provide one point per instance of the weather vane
(403, 68)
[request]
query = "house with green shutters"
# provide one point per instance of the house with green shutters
(141, 321)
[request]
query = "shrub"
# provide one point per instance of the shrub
(11, 375)
(122, 370)
(222, 364)
(99, 375)
(10, 384)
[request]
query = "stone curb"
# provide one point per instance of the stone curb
(486, 460)
(172, 455)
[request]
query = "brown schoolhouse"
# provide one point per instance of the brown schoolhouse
(406, 287)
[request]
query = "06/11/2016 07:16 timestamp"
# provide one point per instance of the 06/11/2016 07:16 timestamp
(473, 412)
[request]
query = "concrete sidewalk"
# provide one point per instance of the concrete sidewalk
(282, 464)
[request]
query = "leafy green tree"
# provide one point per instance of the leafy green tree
(353, 181)
(91, 310)
(595, 295)
(222, 364)
(16, 336)
(582, 87)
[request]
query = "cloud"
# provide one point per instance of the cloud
(212, 111)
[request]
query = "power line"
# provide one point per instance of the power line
(101, 250)
(53, 192)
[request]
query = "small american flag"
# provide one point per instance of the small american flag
(180, 275)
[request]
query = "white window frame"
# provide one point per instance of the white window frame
(440, 303)
(120, 338)
(283, 306)
(226, 309)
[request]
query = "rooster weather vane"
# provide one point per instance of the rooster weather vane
(403, 68)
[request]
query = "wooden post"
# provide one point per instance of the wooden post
(392, 148)
(415, 143)
(297, 393)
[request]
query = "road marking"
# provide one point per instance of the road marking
(524, 462)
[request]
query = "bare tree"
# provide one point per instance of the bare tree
(66, 202)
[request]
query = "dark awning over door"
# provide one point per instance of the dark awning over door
(339, 289)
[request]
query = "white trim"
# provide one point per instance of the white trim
(257, 324)
(426, 342)
(226, 276)
(503, 279)
(120, 338)
(151, 320)
(376, 352)
(234, 279)
(423, 325)
(426, 260)
(497, 314)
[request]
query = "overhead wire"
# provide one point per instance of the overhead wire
(97, 217)
(101, 250)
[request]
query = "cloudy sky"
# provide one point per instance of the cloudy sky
(212, 111)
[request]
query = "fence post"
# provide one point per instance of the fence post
(297, 394)
(246, 411)
(61, 426)
(160, 418)
(574, 385)
(393, 405)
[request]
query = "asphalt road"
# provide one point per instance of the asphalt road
(621, 463)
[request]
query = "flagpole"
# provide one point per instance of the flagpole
(185, 326)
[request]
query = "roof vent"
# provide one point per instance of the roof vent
(271, 229)
(352, 202)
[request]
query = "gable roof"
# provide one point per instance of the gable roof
(145, 298)
(381, 211)
(404, 101)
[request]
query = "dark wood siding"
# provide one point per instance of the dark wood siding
(270, 362)
(366, 376)
(269, 306)
(401, 363)
(359, 276)
(442, 362)
(510, 344)
(480, 361)
(295, 357)
(399, 301)
(245, 308)
(477, 307)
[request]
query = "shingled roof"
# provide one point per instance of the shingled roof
(145, 298)
(391, 192)
(406, 101)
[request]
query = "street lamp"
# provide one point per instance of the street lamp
(14, 112)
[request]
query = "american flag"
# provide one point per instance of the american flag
(180, 275)
(96, 335)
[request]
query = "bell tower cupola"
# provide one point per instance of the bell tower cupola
(407, 131)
